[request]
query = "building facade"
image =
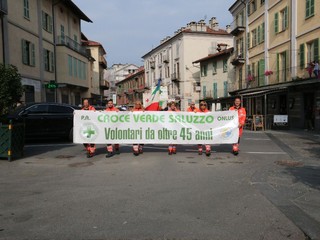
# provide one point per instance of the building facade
(131, 89)
(115, 74)
(42, 38)
(281, 40)
(215, 76)
(171, 61)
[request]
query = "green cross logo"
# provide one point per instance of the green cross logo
(89, 131)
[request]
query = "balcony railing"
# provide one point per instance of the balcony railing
(66, 41)
(238, 58)
(103, 61)
(237, 26)
(175, 77)
(104, 84)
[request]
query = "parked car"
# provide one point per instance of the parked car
(45, 120)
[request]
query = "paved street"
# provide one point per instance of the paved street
(269, 191)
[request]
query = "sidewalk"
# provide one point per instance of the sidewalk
(293, 185)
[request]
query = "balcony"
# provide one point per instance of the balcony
(238, 59)
(68, 42)
(3, 7)
(103, 62)
(237, 27)
(104, 85)
(166, 59)
(175, 77)
(152, 65)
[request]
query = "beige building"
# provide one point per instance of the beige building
(172, 59)
(97, 65)
(43, 39)
(281, 40)
(215, 74)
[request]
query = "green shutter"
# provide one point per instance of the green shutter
(316, 50)
(312, 7)
(259, 35)
(261, 72)
(215, 90)
(225, 88)
(302, 63)
(248, 9)
(262, 31)
(24, 51)
(51, 62)
(276, 22)
(278, 67)
(286, 18)
(248, 40)
(44, 25)
(45, 59)
(33, 55)
(50, 24)
(204, 91)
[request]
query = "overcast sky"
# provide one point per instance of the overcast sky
(128, 29)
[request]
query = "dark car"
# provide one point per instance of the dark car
(45, 120)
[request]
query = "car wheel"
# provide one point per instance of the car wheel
(71, 135)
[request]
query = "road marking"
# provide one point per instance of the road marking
(266, 152)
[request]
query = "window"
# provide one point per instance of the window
(313, 50)
(28, 53)
(282, 65)
(26, 12)
(70, 65)
(225, 65)
(48, 60)
(38, 109)
(276, 22)
(46, 22)
(309, 8)
(60, 109)
(75, 67)
(215, 90)
(62, 34)
(204, 69)
(284, 19)
(254, 37)
(225, 88)
(302, 59)
(204, 91)
(262, 32)
(262, 2)
(214, 68)
(253, 6)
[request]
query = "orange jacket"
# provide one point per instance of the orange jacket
(192, 110)
(241, 114)
(113, 109)
(137, 109)
(89, 108)
(200, 111)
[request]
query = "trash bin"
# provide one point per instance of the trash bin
(12, 140)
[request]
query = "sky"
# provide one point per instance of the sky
(128, 29)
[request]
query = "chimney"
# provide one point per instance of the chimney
(228, 28)
(212, 22)
(193, 26)
(216, 27)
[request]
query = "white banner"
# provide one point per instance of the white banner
(153, 127)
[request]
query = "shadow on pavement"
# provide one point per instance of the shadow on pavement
(308, 175)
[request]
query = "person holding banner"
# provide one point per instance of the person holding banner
(137, 148)
(90, 148)
(172, 107)
(192, 108)
(112, 108)
(203, 108)
(242, 119)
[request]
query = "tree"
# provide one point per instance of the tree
(10, 88)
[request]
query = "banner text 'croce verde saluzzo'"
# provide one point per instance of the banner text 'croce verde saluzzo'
(160, 127)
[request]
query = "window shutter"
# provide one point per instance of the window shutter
(286, 16)
(215, 90)
(248, 9)
(204, 89)
(262, 32)
(50, 24)
(51, 62)
(302, 63)
(276, 22)
(33, 55)
(24, 51)
(278, 66)
(259, 35)
(261, 72)
(45, 59)
(248, 40)
(316, 50)
(44, 20)
(311, 7)
(225, 88)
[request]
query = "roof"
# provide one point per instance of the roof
(235, 3)
(91, 43)
(189, 31)
(73, 7)
(218, 54)
(139, 71)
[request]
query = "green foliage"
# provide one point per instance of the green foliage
(10, 88)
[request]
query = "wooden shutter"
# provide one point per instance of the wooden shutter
(278, 67)
(259, 35)
(248, 40)
(25, 56)
(302, 60)
(50, 23)
(261, 72)
(311, 7)
(33, 55)
(286, 18)
(262, 32)
(276, 22)
(51, 57)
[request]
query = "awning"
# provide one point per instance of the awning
(264, 92)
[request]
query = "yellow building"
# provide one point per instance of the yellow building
(43, 39)
(282, 39)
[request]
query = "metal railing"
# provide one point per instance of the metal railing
(66, 41)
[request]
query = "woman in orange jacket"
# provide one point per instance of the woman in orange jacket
(242, 119)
